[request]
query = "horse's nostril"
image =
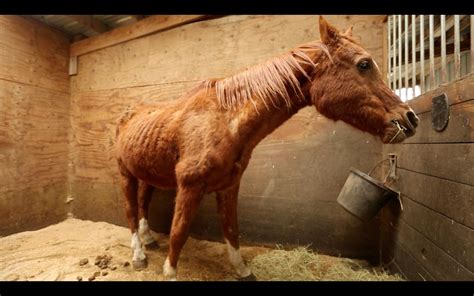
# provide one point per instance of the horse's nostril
(412, 118)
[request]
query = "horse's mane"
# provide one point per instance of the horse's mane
(267, 80)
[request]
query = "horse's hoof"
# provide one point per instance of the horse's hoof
(139, 264)
(250, 278)
(152, 246)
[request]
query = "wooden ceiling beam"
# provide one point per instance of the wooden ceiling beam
(146, 26)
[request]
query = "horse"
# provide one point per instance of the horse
(203, 141)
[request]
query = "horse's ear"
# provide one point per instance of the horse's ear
(328, 33)
(348, 32)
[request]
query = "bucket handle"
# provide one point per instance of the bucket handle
(387, 179)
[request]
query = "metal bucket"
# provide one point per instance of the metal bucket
(364, 196)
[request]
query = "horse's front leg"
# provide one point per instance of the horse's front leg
(187, 203)
(227, 207)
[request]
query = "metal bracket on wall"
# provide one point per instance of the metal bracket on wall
(392, 157)
(440, 112)
(73, 66)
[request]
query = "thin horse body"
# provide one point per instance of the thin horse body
(203, 141)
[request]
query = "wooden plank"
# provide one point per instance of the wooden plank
(459, 91)
(460, 128)
(139, 29)
(456, 239)
(32, 53)
(393, 255)
(454, 200)
(326, 226)
(431, 256)
(449, 161)
(93, 122)
(32, 208)
(386, 54)
(214, 48)
(33, 156)
(33, 136)
(410, 268)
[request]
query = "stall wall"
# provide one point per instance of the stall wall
(288, 193)
(34, 123)
(432, 238)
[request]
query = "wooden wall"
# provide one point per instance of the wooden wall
(34, 123)
(289, 191)
(433, 237)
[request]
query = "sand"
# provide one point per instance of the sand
(59, 253)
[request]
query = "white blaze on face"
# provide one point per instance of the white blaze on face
(236, 260)
(168, 270)
(144, 231)
(136, 246)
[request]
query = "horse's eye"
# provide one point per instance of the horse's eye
(363, 65)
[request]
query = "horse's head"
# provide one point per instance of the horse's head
(350, 88)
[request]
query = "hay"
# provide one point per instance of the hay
(301, 264)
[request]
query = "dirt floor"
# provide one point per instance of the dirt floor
(69, 251)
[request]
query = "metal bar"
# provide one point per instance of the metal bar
(413, 54)
(389, 72)
(432, 66)
(472, 43)
(394, 53)
(457, 51)
(444, 75)
(400, 81)
(422, 53)
(406, 57)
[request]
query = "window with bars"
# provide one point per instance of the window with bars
(426, 51)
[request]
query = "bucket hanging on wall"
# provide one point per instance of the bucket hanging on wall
(363, 196)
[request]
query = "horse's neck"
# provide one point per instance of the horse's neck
(253, 126)
(254, 123)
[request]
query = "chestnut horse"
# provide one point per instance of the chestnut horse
(202, 142)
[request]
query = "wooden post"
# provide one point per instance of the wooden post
(400, 83)
(444, 75)
(406, 57)
(457, 51)
(472, 43)
(388, 50)
(413, 53)
(431, 39)
(422, 53)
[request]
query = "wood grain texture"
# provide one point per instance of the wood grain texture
(453, 238)
(435, 260)
(460, 127)
(32, 53)
(448, 161)
(436, 171)
(33, 136)
(34, 124)
(150, 25)
(458, 91)
(213, 48)
(451, 199)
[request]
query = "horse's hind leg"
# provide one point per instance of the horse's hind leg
(145, 192)
(227, 208)
(187, 202)
(129, 188)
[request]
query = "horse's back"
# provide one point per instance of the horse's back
(146, 146)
